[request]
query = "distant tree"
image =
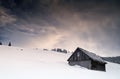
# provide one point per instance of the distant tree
(54, 49)
(59, 50)
(21, 49)
(64, 51)
(0, 43)
(45, 49)
(9, 44)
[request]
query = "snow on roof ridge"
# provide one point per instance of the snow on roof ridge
(93, 56)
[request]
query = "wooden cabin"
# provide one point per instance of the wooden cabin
(87, 59)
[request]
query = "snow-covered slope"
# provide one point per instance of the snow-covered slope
(19, 63)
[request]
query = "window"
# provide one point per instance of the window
(78, 54)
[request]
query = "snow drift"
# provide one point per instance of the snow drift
(23, 63)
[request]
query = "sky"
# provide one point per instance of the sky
(90, 24)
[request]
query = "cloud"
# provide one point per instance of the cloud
(66, 24)
(6, 18)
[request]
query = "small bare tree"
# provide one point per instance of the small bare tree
(0, 43)
(9, 44)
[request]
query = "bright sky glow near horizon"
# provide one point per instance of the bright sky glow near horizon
(90, 24)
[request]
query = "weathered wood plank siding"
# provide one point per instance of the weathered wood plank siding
(83, 59)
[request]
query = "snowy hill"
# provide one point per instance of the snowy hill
(21, 63)
(112, 59)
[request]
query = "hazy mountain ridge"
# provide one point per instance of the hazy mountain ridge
(112, 59)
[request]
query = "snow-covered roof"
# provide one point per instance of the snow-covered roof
(93, 56)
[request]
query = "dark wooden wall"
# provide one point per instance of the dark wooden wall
(98, 66)
(79, 55)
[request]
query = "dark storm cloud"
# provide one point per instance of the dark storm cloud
(3, 38)
(91, 24)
